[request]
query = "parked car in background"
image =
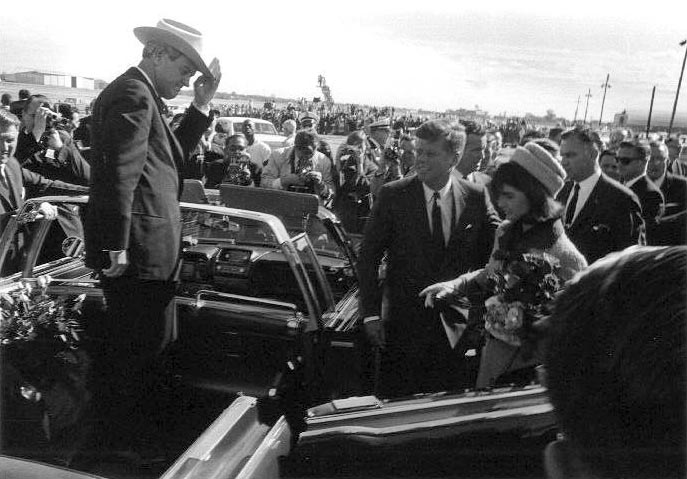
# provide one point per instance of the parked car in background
(264, 377)
(264, 129)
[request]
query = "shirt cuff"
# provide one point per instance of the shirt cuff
(370, 319)
(205, 109)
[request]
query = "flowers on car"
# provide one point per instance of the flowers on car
(522, 289)
(41, 357)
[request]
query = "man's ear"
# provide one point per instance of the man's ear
(562, 462)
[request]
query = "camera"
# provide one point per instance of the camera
(52, 118)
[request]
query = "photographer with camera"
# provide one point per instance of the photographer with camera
(353, 199)
(42, 147)
(300, 168)
(235, 168)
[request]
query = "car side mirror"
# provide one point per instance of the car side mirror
(73, 247)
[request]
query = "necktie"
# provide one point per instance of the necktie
(3, 178)
(437, 227)
(572, 205)
(4, 181)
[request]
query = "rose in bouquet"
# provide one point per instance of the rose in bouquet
(522, 289)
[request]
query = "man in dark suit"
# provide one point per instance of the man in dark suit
(672, 226)
(633, 157)
(133, 224)
(13, 179)
(601, 214)
(432, 227)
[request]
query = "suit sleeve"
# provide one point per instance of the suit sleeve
(377, 238)
(631, 227)
(491, 224)
(127, 125)
(272, 171)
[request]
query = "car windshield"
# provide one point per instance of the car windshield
(259, 128)
(205, 226)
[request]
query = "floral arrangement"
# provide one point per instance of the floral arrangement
(39, 342)
(522, 290)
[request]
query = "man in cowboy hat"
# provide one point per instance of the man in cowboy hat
(133, 225)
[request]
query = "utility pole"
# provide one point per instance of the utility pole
(576, 108)
(679, 83)
(651, 110)
(605, 86)
(588, 95)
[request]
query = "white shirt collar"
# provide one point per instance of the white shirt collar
(443, 192)
(589, 183)
(632, 181)
(659, 181)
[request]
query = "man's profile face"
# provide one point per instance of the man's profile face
(8, 142)
(658, 163)
(609, 165)
(172, 75)
(578, 159)
(433, 161)
(475, 148)
(630, 163)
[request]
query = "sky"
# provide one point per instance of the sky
(510, 57)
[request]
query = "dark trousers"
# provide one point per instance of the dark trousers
(137, 327)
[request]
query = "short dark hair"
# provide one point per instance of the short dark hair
(638, 146)
(306, 138)
(356, 137)
(616, 363)
(473, 128)
(531, 135)
(543, 206)
(452, 132)
(6, 99)
(585, 135)
(24, 94)
(8, 119)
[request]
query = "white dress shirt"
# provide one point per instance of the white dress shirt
(586, 187)
(445, 203)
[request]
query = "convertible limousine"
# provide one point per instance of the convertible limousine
(264, 375)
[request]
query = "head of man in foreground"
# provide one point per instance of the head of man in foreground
(616, 368)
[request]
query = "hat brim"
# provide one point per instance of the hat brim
(145, 34)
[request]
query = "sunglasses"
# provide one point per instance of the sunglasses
(626, 160)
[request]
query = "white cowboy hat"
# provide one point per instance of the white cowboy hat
(183, 38)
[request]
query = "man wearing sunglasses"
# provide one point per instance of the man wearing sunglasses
(633, 157)
(601, 215)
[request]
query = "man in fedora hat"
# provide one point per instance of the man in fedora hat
(133, 224)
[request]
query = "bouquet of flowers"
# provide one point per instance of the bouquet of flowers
(522, 290)
(39, 342)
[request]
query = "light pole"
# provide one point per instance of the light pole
(677, 93)
(588, 95)
(576, 108)
(605, 86)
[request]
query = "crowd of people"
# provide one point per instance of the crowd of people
(441, 207)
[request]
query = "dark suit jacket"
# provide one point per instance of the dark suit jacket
(18, 177)
(651, 199)
(400, 227)
(135, 185)
(672, 226)
(610, 220)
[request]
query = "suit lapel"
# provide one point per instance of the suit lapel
(177, 152)
(591, 205)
